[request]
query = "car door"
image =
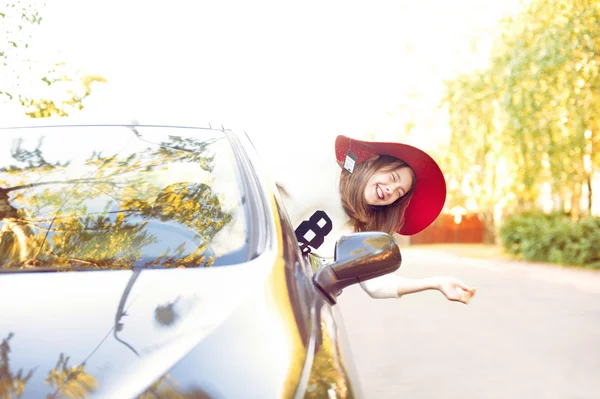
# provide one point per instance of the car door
(329, 370)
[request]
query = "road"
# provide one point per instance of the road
(530, 332)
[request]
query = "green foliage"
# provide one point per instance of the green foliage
(550, 63)
(28, 81)
(554, 238)
(19, 20)
(531, 117)
(75, 92)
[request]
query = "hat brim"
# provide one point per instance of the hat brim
(429, 194)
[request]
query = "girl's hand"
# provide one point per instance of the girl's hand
(455, 290)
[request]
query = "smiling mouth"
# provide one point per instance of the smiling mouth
(379, 192)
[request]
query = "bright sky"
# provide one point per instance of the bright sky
(301, 71)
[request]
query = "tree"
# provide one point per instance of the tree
(551, 58)
(474, 162)
(25, 78)
(19, 20)
(531, 117)
(73, 90)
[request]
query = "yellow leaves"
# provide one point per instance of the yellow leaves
(71, 381)
(120, 219)
(88, 79)
(544, 73)
(167, 387)
(62, 102)
(11, 383)
(105, 210)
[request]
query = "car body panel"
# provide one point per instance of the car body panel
(255, 329)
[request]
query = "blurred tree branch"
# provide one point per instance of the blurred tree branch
(40, 89)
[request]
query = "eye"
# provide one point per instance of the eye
(393, 177)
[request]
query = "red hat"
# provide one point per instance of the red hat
(429, 193)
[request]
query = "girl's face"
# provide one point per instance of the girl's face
(386, 186)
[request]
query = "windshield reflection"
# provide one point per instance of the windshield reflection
(136, 198)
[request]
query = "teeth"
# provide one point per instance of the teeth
(379, 192)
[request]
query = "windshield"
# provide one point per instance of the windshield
(117, 197)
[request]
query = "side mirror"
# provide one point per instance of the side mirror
(358, 257)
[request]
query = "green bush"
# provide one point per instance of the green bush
(553, 238)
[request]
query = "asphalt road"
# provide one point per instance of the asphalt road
(530, 332)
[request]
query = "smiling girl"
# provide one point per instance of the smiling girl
(378, 186)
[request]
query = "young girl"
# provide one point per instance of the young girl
(373, 186)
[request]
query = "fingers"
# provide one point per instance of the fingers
(463, 295)
(457, 291)
(464, 287)
(468, 295)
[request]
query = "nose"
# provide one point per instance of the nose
(391, 187)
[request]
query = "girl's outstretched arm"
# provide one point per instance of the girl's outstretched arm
(393, 286)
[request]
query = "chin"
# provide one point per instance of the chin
(373, 202)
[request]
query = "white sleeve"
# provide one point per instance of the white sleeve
(383, 287)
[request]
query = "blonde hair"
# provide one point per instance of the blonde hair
(365, 217)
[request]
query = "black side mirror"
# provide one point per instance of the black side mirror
(358, 257)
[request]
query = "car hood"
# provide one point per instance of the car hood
(113, 333)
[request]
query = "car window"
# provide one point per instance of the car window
(116, 197)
